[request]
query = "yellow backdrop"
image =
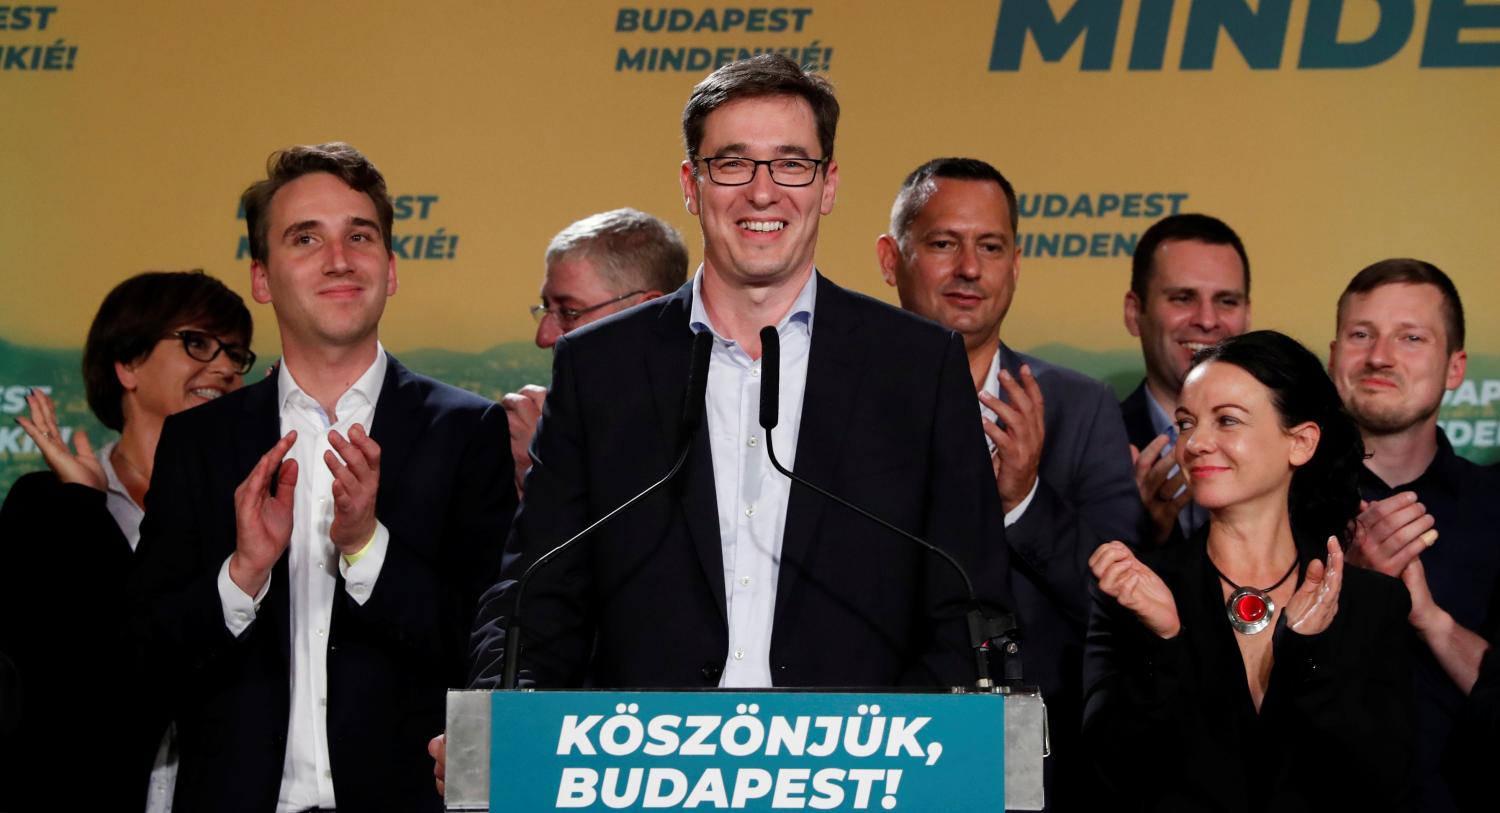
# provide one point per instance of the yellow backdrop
(1328, 134)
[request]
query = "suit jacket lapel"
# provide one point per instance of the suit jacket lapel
(834, 366)
(392, 427)
(666, 365)
(1222, 665)
(1011, 362)
(262, 421)
(262, 424)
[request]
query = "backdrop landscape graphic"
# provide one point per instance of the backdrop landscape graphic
(505, 368)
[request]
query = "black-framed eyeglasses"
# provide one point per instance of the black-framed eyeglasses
(206, 347)
(571, 315)
(733, 170)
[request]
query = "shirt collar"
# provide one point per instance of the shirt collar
(1161, 422)
(800, 314)
(1445, 470)
(991, 386)
(992, 378)
(367, 387)
(112, 482)
(1445, 463)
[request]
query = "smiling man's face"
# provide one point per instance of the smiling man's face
(761, 233)
(327, 273)
(958, 263)
(1195, 297)
(1390, 360)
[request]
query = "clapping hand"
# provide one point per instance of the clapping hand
(1161, 491)
(1316, 602)
(1017, 433)
(1136, 587)
(1390, 533)
(77, 465)
(523, 410)
(263, 523)
(356, 481)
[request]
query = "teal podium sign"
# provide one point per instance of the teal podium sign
(746, 751)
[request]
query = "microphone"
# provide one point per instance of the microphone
(697, 387)
(692, 418)
(770, 383)
(981, 628)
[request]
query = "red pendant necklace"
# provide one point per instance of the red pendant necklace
(1250, 609)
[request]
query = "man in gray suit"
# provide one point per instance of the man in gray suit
(1057, 440)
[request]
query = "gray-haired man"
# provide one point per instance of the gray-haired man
(597, 266)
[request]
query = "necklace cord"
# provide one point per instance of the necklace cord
(1232, 586)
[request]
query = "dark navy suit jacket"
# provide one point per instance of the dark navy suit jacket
(888, 422)
(1085, 496)
(79, 701)
(446, 496)
(1137, 414)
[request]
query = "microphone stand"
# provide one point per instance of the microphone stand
(982, 629)
(692, 417)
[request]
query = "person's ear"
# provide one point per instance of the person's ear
(1305, 439)
(1133, 313)
(126, 375)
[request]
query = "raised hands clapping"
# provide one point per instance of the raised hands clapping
(1136, 587)
(77, 465)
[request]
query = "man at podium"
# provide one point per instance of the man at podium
(731, 575)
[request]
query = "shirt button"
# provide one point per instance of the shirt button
(750, 512)
(328, 774)
(320, 633)
(755, 372)
(744, 581)
(323, 700)
(739, 654)
(752, 441)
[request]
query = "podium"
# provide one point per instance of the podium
(745, 750)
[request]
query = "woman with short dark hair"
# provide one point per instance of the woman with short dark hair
(161, 342)
(1251, 669)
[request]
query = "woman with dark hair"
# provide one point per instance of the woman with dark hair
(1251, 669)
(89, 731)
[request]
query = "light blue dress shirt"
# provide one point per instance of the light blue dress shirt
(752, 496)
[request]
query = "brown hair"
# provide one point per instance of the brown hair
(1411, 272)
(760, 75)
(919, 186)
(284, 166)
(138, 313)
(1187, 226)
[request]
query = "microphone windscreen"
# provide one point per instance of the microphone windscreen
(770, 376)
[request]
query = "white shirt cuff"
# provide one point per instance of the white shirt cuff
(1014, 515)
(359, 578)
(239, 609)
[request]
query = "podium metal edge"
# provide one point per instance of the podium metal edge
(467, 783)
